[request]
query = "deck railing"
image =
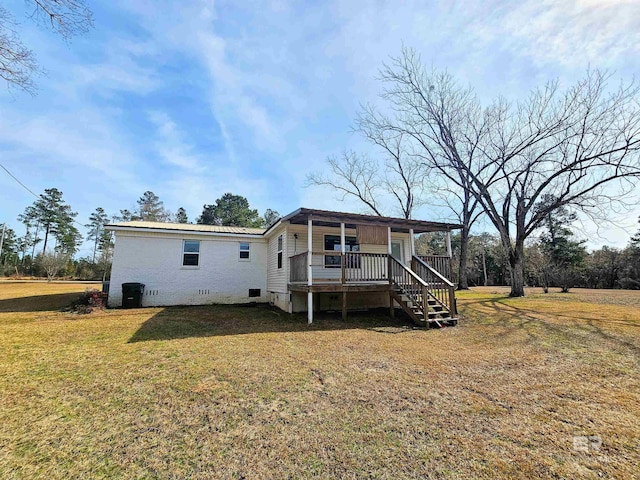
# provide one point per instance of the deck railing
(364, 267)
(440, 288)
(355, 267)
(440, 263)
(298, 268)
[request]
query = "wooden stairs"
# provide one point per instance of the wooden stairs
(437, 315)
(427, 298)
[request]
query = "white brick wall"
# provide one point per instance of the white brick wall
(155, 259)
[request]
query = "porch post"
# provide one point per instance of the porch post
(310, 269)
(412, 241)
(392, 310)
(449, 244)
(343, 250)
(343, 259)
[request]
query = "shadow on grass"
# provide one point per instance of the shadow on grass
(577, 330)
(38, 303)
(220, 320)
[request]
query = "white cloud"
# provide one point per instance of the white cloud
(171, 145)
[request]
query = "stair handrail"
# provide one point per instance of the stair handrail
(409, 271)
(450, 303)
(416, 280)
(434, 271)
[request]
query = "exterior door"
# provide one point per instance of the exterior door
(397, 250)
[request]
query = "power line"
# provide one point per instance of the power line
(21, 184)
(31, 191)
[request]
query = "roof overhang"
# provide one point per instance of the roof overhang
(121, 228)
(332, 219)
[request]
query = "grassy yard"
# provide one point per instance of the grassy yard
(241, 392)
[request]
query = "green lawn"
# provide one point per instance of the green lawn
(241, 392)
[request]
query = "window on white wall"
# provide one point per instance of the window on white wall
(332, 244)
(280, 251)
(245, 251)
(191, 253)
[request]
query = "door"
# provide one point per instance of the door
(397, 251)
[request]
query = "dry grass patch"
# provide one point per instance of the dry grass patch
(237, 392)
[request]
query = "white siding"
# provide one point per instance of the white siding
(277, 278)
(156, 261)
(320, 272)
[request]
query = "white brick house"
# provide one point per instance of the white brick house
(308, 260)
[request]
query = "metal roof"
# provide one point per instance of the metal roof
(327, 217)
(300, 216)
(187, 227)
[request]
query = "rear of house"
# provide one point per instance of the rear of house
(309, 260)
(183, 264)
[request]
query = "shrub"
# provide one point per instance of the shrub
(88, 301)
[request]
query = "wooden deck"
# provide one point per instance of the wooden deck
(420, 290)
(327, 287)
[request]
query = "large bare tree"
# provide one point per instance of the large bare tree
(66, 18)
(447, 108)
(579, 145)
(397, 179)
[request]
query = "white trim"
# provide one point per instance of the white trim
(412, 239)
(280, 251)
(240, 259)
(189, 267)
(182, 233)
(310, 252)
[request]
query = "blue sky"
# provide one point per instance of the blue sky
(194, 99)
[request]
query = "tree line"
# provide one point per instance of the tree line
(513, 163)
(554, 259)
(52, 236)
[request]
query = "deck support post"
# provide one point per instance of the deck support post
(344, 305)
(412, 242)
(389, 250)
(310, 270)
(449, 244)
(392, 309)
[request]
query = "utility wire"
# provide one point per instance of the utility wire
(31, 191)
(21, 184)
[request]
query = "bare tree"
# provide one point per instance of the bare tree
(399, 179)
(52, 263)
(579, 145)
(354, 175)
(66, 18)
(445, 124)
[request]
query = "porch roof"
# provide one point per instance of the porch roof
(332, 219)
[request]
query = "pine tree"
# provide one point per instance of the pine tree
(181, 216)
(151, 208)
(231, 210)
(55, 217)
(97, 221)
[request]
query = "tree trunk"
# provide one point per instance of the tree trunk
(516, 264)
(35, 238)
(95, 246)
(463, 282)
(46, 238)
(484, 268)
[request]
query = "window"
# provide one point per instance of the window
(332, 244)
(245, 251)
(280, 251)
(191, 253)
